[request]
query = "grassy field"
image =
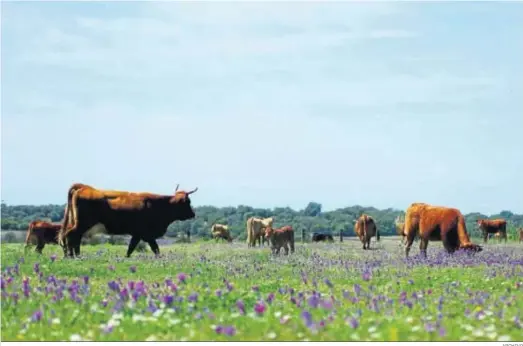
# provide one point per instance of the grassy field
(208, 291)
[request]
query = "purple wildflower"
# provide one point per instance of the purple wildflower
(193, 297)
(53, 258)
(37, 316)
(259, 308)
(328, 283)
(229, 331)
(270, 298)
(168, 300)
(353, 322)
(218, 293)
(182, 277)
(241, 306)
(132, 269)
(307, 318)
(111, 267)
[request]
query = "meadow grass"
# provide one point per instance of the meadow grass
(220, 291)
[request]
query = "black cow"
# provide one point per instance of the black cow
(317, 237)
(144, 216)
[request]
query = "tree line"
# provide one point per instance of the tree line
(310, 219)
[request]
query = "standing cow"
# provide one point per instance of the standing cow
(492, 227)
(365, 228)
(219, 231)
(256, 230)
(44, 232)
(280, 237)
(144, 216)
(437, 224)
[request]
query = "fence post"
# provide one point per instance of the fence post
(341, 236)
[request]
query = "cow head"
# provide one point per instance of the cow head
(480, 222)
(269, 231)
(181, 203)
(471, 247)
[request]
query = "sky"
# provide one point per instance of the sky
(266, 104)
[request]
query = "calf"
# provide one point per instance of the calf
(44, 232)
(280, 237)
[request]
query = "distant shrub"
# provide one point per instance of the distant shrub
(9, 237)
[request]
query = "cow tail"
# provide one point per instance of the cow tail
(249, 231)
(365, 228)
(69, 215)
(463, 236)
(292, 240)
(28, 237)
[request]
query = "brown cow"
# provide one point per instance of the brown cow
(365, 228)
(437, 224)
(44, 232)
(219, 231)
(399, 224)
(492, 227)
(145, 216)
(280, 237)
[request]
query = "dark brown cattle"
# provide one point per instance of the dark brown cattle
(492, 227)
(44, 232)
(437, 224)
(521, 234)
(317, 237)
(144, 216)
(365, 228)
(280, 237)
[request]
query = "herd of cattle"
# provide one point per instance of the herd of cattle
(146, 216)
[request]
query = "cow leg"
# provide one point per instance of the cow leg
(286, 248)
(408, 244)
(423, 243)
(154, 246)
(485, 237)
(132, 245)
(40, 246)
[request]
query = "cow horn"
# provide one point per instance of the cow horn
(177, 186)
(193, 191)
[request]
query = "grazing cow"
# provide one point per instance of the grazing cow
(144, 216)
(436, 224)
(317, 237)
(221, 232)
(280, 237)
(44, 232)
(365, 228)
(255, 230)
(492, 227)
(399, 224)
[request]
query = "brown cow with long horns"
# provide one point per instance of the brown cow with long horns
(145, 216)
